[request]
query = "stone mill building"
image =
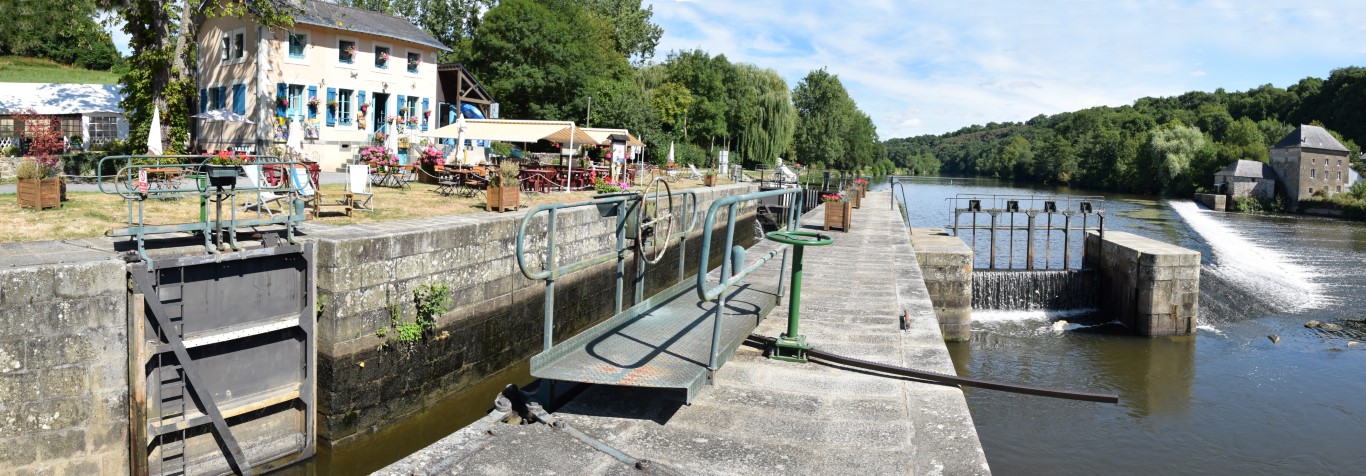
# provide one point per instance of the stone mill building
(1310, 160)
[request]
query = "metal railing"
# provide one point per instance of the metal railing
(1031, 206)
(626, 208)
(733, 267)
(138, 179)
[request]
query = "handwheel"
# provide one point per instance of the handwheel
(799, 237)
(654, 219)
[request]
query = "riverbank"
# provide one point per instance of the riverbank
(764, 415)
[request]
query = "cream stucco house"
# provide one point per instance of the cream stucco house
(340, 71)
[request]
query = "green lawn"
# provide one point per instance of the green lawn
(17, 69)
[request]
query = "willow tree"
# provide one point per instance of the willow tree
(764, 117)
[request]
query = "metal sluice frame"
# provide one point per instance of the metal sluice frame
(734, 269)
(125, 170)
(624, 206)
(1031, 206)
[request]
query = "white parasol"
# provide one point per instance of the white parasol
(154, 134)
(295, 141)
(568, 179)
(390, 140)
(671, 154)
(463, 158)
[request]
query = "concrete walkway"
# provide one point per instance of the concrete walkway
(765, 416)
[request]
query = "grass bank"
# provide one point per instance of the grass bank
(17, 69)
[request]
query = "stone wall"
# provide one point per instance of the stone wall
(1212, 201)
(946, 263)
(63, 360)
(367, 275)
(1150, 286)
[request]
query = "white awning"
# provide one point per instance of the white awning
(602, 136)
(509, 130)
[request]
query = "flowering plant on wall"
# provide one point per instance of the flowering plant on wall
(427, 113)
(412, 121)
(413, 62)
(313, 103)
(351, 51)
(384, 57)
(391, 119)
(379, 138)
(284, 101)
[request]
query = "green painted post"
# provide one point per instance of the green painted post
(792, 346)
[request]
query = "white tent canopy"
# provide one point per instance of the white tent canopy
(509, 130)
(602, 136)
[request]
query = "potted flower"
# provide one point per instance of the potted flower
(862, 188)
(413, 62)
(379, 138)
(380, 158)
(222, 168)
(430, 159)
(412, 121)
(284, 101)
(709, 178)
(332, 105)
(403, 110)
(837, 211)
(313, 104)
(39, 186)
(504, 185)
(382, 59)
(364, 107)
(607, 187)
(351, 51)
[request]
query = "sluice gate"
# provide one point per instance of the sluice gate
(1034, 290)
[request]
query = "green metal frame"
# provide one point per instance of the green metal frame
(118, 175)
(623, 207)
(733, 273)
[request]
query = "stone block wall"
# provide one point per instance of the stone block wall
(946, 263)
(1216, 202)
(1150, 286)
(367, 275)
(63, 364)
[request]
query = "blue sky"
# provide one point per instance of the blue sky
(934, 67)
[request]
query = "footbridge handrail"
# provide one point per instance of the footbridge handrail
(729, 275)
(625, 206)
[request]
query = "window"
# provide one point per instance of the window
(7, 127)
(1339, 175)
(381, 56)
(296, 101)
(103, 129)
(1312, 172)
(409, 108)
(344, 99)
(414, 59)
(297, 42)
(238, 43)
(1313, 161)
(227, 47)
(346, 51)
(218, 98)
(1339, 162)
(71, 126)
(1311, 190)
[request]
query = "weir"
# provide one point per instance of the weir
(1034, 290)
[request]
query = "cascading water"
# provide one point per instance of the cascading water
(1034, 290)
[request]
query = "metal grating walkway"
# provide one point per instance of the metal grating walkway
(663, 342)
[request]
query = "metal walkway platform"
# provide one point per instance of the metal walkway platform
(662, 342)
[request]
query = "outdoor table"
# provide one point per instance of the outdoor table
(538, 180)
(164, 178)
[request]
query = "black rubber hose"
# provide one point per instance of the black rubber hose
(766, 342)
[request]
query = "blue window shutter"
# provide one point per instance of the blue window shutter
(222, 102)
(239, 98)
(360, 99)
(203, 100)
(424, 114)
(282, 91)
(331, 113)
(312, 94)
(402, 102)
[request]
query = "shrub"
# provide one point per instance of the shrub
(505, 175)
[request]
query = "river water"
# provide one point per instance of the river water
(1227, 400)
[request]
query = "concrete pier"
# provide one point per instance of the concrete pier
(1150, 286)
(946, 263)
(764, 416)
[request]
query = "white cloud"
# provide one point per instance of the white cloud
(933, 67)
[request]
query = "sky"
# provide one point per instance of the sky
(930, 67)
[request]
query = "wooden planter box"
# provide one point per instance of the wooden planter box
(429, 175)
(40, 194)
(709, 180)
(501, 198)
(838, 214)
(857, 197)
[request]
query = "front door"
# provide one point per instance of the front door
(381, 103)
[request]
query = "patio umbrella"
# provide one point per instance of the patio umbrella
(460, 137)
(154, 134)
(671, 153)
(222, 115)
(568, 179)
(295, 142)
(390, 140)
